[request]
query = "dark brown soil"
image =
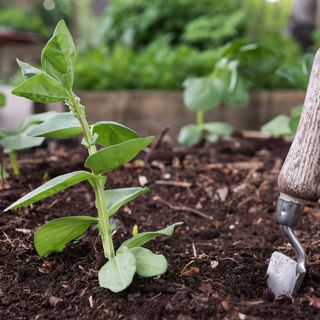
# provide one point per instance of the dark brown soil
(217, 267)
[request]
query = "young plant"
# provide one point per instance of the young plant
(119, 145)
(13, 141)
(224, 85)
(298, 75)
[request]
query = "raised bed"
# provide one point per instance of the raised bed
(225, 193)
(150, 111)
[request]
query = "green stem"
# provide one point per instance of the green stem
(200, 118)
(14, 163)
(98, 181)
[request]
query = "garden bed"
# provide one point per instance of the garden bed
(149, 111)
(224, 193)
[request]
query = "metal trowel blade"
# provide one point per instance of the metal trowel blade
(283, 279)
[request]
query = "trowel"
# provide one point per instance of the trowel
(298, 182)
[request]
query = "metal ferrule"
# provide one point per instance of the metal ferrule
(288, 215)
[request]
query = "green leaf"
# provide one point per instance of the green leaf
(28, 71)
(36, 119)
(149, 264)
(117, 274)
(202, 94)
(116, 198)
(110, 158)
(41, 88)
(190, 135)
(293, 124)
(141, 238)
(61, 126)
(238, 96)
(295, 119)
(50, 188)
(279, 126)
(296, 111)
(307, 62)
(61, 27)
(2, 100)
(111, 133)
(20, 141)
(57, 57)
(295, 75)
(54, 235)
(216, 130)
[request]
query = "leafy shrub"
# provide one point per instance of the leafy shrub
(17, 19)
(136, 23)
(157, 67)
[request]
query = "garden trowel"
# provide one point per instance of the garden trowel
(298, 182)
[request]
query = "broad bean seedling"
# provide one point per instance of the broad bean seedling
(224, 85)
(119, 144)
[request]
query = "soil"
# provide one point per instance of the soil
(224, 193)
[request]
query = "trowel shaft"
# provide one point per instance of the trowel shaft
(300, 173)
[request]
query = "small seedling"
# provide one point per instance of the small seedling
(298, 75)
(223, 85)
(13, 141)
(119, 145)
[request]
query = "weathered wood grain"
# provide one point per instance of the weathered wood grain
(300, 174)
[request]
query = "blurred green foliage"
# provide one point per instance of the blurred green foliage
(157, 44)
(298, 75)
(34, 18)
(157, 66)
(17, 19)
(204, 23)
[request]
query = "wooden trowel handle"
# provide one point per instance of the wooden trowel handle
(300, 173)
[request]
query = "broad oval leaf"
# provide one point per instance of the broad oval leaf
(58, 55)
(216, 130)
(36, 119)
(50, 188)
(116, 198)
(190, 135)
(55, 234)
(117, 274)
(238, 96)
(203, 94)
(20, 141)
(110, 158)
(41, 88)
(111, 133)
(279, 126)
(141, 238)
(27, 70)
(149, 264)
(61, 126)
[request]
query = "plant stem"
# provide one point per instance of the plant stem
(98, 181)
(200, 118)
(14, 163)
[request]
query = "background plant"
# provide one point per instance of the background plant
(298, 75)
(119, 144)
(13, 141)
(224, 85)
